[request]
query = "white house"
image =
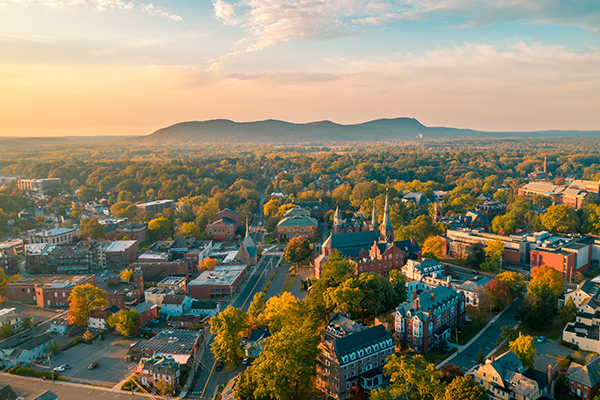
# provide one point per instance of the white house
(204, 307)
(25, 352)
(176, 304)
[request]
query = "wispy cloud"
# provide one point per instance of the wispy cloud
(96, 5)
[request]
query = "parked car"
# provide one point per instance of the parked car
(220, 365)
(475, 272)
(66, 366)
(155, 321)
(93, 365)
(59, 369)
(541, 339)
(246, 361)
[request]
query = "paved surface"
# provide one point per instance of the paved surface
(487, 341)
(26, 387)
(110, 354)
(304, 273)
(278, 281)
(38, 314)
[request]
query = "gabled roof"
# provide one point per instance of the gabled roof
(201, 304)
(350, 343)
(175, 299)
(355, 239)
(258, 334)
(588, 375)
(408, 246)
(225, 221)
(428, 301)
(7, 393)
(35, 342)
(506, 363)
(298, 221)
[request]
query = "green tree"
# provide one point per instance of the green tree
(27, 322)
(567, 312)
(477, 255)
(190, 229)
(493, 253)
(410, 379)
(257, 305)
(6, 330)
(507, 333)
(534, 312)
(561, 218)
(86, 194)
(281, 311)
(524, 350)
(91, 228)
(126, 322)
(287, 364)
(480, 357)
(163, 387)
(227, 328)
(161, 227)
(514, 280)
(121, 210)
(315, 234)
(297, 250)
(83, 299)
(464, 388)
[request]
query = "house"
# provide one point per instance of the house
(14, 352)
(183, 321)
(159, 369)
(317, 209)
(425, 320)
(174, 284)
(156, 296)
(255, 342)
(60, 326)
(14, 320)
(204, 307)
(584, 292)
(124, 295)
(354, 354)
(505, 378)
(7, 393)
(584, 380)
(472, 289)
(416, 197)
(418, 269)
(175, 304)
(227, 393)
(148, 312)
(97, 318)
(47, 395)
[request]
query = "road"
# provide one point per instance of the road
(487, 341)
(25, 387)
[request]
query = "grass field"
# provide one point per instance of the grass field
(552, 332)
(289, 283)
(467, 331)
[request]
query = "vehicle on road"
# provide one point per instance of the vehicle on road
(475, 272)
(246, 361)
(541, 339)
(59, 369)
(220, 365)
(66, 366)
(155, 321)
(93, 365)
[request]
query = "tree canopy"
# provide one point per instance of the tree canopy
(82, 300)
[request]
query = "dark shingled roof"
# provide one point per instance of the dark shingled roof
(355, 239)
(35, 342)
(588, 375)
(174, 299)
(256, 334)
(7, 393)
(348, 343)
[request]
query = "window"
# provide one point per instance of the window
(484, 374)
(495, 378)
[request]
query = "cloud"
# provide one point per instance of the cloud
(272, 22)
(96, 5)
(150, 9)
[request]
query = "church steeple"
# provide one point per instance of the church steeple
(247, 228)
(374, 223)
(337, 217)
(386, 229)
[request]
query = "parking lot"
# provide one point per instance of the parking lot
(38, 314)
(110, 354)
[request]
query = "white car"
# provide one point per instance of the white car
(59, 369)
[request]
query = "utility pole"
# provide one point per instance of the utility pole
(51, 371)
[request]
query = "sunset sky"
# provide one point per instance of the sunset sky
(121, 67)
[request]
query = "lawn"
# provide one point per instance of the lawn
(467, 331)
(436, 356)
(289, 282)
(552, 332)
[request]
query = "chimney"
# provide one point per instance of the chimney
(414, 294)
(433, 297)
(416, 304)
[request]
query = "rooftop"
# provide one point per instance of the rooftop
(41, 280)
(223, 275)
(172, 280)
(175, 299)
(120, 245)
(298, 221)
(156, 202)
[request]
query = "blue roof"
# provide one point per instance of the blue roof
(355, 239)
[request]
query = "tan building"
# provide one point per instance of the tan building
(175, 284)
(223, 229)
(291, 227)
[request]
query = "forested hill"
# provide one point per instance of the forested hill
(274, 132)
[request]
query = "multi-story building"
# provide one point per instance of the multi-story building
(175, 304)
(317, 209)
(351, 353)
(131, 231)
(148, 312)
(425, 320)
(154, 206)
(120, 254)
(54, 236)
(505, 378)
(194, 256)
(572, 196)
(125, 295)
(97, 318)
(227, 213)
(416, 270)
(491, 209)
(46, 290)
(155, 295)
(159, 369)
(584, 380)
(291, 227)
(38, 184)
(222, 229)
(220, 283)
(155, 272)
(385, 256)
(9, 261)
(180, 344)
(176, 284)
(584, 332)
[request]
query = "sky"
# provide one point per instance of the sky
(130, 67)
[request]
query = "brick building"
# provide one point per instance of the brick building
(291, 227)
(154, 206)
(46, 290)
(157, 271)
(317, 208)
(351, 354)
(425, 320)
(175, 284)
(131, 231)
(386, 256)
(54, 236)
(120, 254)
(148, 312)
(220, 283)
(584, 380)
(227, 213)
(125, 295)
(222, 229)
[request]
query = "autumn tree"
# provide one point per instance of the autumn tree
(410, 379)
(534, 311)
(546, 283)
(227, 328)
(567, 312)
(561, 218)
(163, 387)
(126, 275)
(433, 247)
(464, 388)
(190, 229)
(257, 305)
(281, 311)
(160, 227)
(126, 322)
(514, 280)
(88, 335)
(207, 264)
(91, 228)
(493, 254)
(83, 299)
(450, 372)
(297, 250)
(271, 207)
(498, 292)
(287, 364)
(524, 350)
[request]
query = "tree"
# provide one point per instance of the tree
(287, 364)
(315, 234)
(207, 264)
(91, 228)
(271, 207)
(88, 335)
(450, 372)
(546, 283)
(433, 247)
(281, 311)
(524, 350)
(27, 322)
(6, 330)
(297, 250)
(190, 229)
(257, 305)
(567, 312)
(411, 379)
(561, 218)
(493, 253)
(83, 299)
(498, 293)
(534, 312)
(507, 333)
(121, 210)
(163, 387)
(480, 357)
(160, 227)
(126, 275)
(477, 255)
(86, 194)
(227, 328)
(514, 280)
(126, 322)
(465, 388)
(564, 362)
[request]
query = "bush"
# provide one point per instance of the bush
(569, 345)
(77, 340)
(33, 372)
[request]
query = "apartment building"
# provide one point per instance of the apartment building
(46, 290)
(154, 206)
